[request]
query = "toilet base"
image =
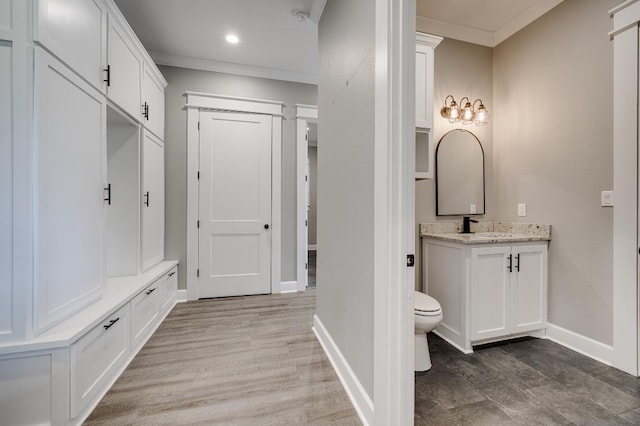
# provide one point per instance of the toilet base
(422, 359)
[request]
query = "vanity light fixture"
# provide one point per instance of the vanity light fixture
(466, 112)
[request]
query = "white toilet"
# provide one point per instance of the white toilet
(427, 315)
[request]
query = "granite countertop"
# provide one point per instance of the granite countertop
(486, 232)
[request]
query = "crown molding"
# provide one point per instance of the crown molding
(179, 61)
(484, 37)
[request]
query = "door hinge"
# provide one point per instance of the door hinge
(306, 266)
(197, 272)
(306, 223)
(198, 224)
(198, 175)
(411, 261)
(198, 125)
(306, 137)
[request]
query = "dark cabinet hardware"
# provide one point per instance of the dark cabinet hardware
(113, 321)
(510, 263)
(518, 264)
(145, 111)
(150, 291)
(266, 226)
(146, 199)
(172, 273)
(108, 79)
(411, 260)
(108, 189)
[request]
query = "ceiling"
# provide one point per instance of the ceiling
(274, 43)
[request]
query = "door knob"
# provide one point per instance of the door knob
(266, 226)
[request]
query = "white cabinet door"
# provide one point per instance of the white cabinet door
(152, 102)
(144, 313)
(124, 71)
(489, 292)
(6, 191)
(424, 86)
(69, 157)
(75, 31)
(529, 288)
(95, 358)
(152, 201)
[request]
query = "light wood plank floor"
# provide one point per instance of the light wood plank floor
(238, 361)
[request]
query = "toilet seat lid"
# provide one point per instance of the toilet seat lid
(425, 303)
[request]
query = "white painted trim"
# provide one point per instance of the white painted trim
(180, 61)
(235, 104)
(304, 114)
(195, 102)
(356, 392)
(288, 286)
(312, 247)
(625, 16)
(394, 236)
(182, 296)
(625, 214)
(581, 344)
(486, 37)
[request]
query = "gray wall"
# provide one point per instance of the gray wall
(553, 149)
(344, 301)
(181, 80)
(461, 69)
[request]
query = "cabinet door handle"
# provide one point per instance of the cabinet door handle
(108, 79)
(145, 111)
(518, 264)
(108, 189)
(510, 263)
(113, 321)
(146, 199)
(172, 274)
(150, 291)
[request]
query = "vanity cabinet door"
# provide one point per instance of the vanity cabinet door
(529, 288)
(489, 286)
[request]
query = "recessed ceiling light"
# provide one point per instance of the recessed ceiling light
(232, 38)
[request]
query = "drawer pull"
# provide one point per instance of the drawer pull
(510, 263)
(518, 264)
(172, 273)
(108, 326)
(150, 291)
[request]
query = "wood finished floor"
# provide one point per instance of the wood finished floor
(237, 361)
(528, 382)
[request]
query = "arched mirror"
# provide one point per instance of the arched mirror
(459, 174)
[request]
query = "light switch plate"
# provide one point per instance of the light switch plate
(606, 199)
(522, 209)
(472, 209)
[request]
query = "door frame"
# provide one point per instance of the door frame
(304, 114)
(196, 102)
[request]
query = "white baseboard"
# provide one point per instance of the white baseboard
(358, 396)
(312, 247)
(288, 286)
(182, 296)
(581, 344)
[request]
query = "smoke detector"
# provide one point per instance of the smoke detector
(301, 15)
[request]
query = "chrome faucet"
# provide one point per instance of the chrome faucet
(466, 224)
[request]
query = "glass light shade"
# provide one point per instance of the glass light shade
(467, 114)
(482, 116)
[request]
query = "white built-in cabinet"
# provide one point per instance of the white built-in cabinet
(123, 71)
(488, 291)
(424, 145)
(70, 177)
(152, 200)
(507, 290)
(83, 280)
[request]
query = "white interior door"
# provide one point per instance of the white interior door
(234, 204)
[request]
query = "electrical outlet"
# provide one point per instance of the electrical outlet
(472, 209)
(522, 209)
(606, 199)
